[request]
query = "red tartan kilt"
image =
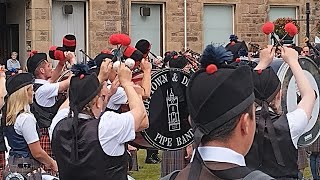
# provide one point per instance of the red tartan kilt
(2, 163)
(45, 143)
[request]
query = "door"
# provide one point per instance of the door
(74, 23)
(217, 24)
(147, 27)
(9, 41)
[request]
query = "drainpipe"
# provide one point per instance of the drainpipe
(185, 24)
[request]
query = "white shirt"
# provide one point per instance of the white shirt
(117, 99)
(220, 154)
(25, 126)
(13, 64)
(297, 121)
(114, 130)
(46, 94)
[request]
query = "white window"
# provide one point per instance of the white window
(283, 12)
(217, 24)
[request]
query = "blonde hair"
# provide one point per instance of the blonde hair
(17, 102)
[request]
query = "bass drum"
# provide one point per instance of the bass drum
(291, 95)
(166, 108)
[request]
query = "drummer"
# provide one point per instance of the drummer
(99, 153)
(274, 150)
(26, 154)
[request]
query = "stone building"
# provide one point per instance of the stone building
(169, 24)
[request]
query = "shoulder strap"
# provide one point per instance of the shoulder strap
(257, 175)
(232, 173)
(36, 86)
(171, 176)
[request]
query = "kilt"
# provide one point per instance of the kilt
(45, 143)
(302, 158)
(173, 160)
(2, 162)
(314, 147)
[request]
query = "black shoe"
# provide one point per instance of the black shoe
(156, 158)
(151, 161)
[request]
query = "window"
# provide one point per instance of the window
(217, 24)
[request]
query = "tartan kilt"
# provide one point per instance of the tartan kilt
(302, 158)
(2, 162)
(173, 160)
(45, 143)
(314, 147)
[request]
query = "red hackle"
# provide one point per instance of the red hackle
(122, 39)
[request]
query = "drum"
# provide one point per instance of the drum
(166, 108)
(291, 95)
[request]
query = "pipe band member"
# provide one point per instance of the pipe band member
(26, 154)
(275, 149)
(89, 144)
(221, 106)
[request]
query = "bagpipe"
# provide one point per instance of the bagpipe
(193, 59)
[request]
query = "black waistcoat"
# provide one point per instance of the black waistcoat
(263, 158)
(44, 115)
(92, 163)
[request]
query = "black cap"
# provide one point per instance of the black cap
(100, 57)
(35, 60)
(17, 81)
(266, 85)
(178, 61)
(83, 88)
(237, 49)
(214, 99)
(143, 46)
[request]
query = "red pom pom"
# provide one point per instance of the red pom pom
(268, 28)
(53, 48)
(211, 69)
(122, 39)
(32, 53)
(238, 60)
(259, 71)
(175, 57)
(291, 29)
(81, 76)
(106, 51)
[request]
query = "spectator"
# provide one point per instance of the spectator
(13, 63)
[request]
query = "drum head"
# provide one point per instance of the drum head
(291, 96)
(169, 128)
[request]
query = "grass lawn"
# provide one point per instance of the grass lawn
(146, 171)
(152, 171)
